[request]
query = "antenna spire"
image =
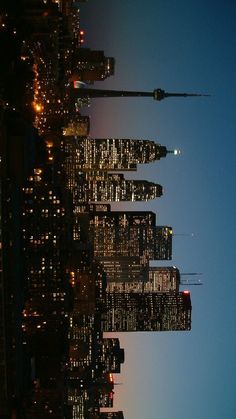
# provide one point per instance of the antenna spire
(176, 152)
(157, 94)
(160, 94)
(190, 281)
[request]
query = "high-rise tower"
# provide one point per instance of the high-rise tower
(112, 153)
(160, 279)
(129, 312)
(90, 66)
(112, 187)
(151, 242)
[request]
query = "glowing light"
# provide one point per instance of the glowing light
(177, 152)
(38, 171)
(186, 292)
(37, 107)
(81, 32)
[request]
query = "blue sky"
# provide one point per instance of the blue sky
(185, 46)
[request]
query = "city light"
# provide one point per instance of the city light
(77, 269)
(38, 107)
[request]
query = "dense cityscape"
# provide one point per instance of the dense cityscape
(71, 267)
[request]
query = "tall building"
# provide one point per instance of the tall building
(151, 242)
(112, 153)
(155, 311)
(160, 279)
(124, 242)
(78, 127)
(109, 355)
(114, 188)
(89, 66)
(46, 235)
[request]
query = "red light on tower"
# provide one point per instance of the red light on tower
(186, 292)
(81, 32)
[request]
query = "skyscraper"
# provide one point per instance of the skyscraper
(151, 242)
(123, 268)
(160, 279)
(89, 66)
(112, 153)
(112, 187)
(155, 311)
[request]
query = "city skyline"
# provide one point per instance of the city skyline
(189, 47)
(55, 259)
(69, 256)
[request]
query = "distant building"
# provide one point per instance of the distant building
(123, 268)
(160, 279)
(109, 356)
(129, 312)
(151, 242)
(112, 153)
(79, 127)
(90, 66)
(113, 188)
(121, 219)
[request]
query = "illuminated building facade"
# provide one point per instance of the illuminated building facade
(160, 279)
(121, 218)
(122, 268)
(58, 249)
(89, 66)
(109, 355)
(112, 154)
(151, 242)
(114, 188)
(46, 234)
(78, 127)
(156, 311)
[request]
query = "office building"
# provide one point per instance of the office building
(108, 218)
(109, 356)
(115, 188)
(90, 66)
(123, 268)
(112, 154)
(129, 312)
(160, 279)
(151, 242)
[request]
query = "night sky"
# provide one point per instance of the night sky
(187, 46)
